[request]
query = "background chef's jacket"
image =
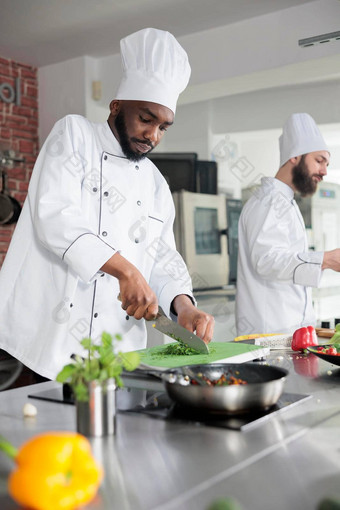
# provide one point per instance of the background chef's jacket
(85, 202)
(275, 270)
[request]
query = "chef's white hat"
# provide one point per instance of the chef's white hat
(300, 135)
(155, 68)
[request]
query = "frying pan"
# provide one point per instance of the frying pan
(263, 389)
(10, 208)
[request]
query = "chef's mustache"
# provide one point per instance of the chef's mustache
(144, 142)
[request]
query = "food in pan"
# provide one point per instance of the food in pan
(223, 380)
(334, 349)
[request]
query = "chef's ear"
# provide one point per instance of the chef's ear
(115, 106)
(295, 160)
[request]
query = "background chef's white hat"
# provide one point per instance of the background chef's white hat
(155, 68)
(300, 135)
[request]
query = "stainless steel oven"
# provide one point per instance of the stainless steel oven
(201, 237)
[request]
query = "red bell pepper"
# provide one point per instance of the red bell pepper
(303, 338)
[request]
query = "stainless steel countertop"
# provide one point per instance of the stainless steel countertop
(291, 461)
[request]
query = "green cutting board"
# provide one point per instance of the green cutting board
(220, 352)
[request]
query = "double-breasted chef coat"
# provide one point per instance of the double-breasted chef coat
(86, 201)
(275, 270)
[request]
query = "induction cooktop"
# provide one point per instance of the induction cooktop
(157, 404)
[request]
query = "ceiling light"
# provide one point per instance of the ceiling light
(319, 39)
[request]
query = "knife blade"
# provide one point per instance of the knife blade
(177, 332)
(170, 328)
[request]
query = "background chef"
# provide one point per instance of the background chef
(98, 222)
(275, 270)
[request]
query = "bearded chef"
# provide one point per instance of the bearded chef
(98, 222)
(275, 270)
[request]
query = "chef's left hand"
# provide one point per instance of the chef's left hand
(193, 319)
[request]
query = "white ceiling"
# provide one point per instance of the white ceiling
(42, 32)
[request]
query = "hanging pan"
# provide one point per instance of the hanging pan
(10, 208)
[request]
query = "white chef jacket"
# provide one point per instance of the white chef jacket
(275, 270)
(85, 202)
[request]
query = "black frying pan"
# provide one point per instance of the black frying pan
(10, 208)
(263, 389)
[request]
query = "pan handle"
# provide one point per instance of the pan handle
(4, 177)
(165, 376)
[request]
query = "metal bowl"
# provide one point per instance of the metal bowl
(263, 389)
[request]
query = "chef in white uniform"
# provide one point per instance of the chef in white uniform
(275, 270)
(98, 221)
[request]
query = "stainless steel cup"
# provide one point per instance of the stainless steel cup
(97, 416)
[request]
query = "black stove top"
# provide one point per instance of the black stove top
(161, 407)
(157, 404)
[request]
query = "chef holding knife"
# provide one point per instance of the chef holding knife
(275, 269)
(98, 222)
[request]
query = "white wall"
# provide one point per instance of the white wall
(62, 90)
(94, 109)
(190, 132)
(66, 88)
(268, 109)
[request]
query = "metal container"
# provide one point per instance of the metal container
(263, 389)
(97, 416)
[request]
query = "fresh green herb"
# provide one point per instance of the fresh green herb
(179, 349)
(101, 363)
(176, 349)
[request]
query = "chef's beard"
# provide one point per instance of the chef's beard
(125, 141)
(302, 180)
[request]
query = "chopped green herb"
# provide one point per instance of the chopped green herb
(179, 349)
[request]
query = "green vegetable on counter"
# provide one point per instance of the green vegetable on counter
(336, 337)
(224, 504)
(329, 504)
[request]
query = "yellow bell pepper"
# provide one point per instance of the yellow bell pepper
(55, 471)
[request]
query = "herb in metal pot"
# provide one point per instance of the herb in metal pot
(102, 363)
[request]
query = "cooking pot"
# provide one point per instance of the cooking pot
(264, 386)
(10, 208)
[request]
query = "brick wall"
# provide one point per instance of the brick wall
(18, 131)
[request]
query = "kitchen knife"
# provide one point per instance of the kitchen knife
(170, 328)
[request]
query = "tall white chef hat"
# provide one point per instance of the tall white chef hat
(300, 135)
(155, 68)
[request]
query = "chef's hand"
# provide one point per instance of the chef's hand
(138, 299)
(331, 260)
(193, 319)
